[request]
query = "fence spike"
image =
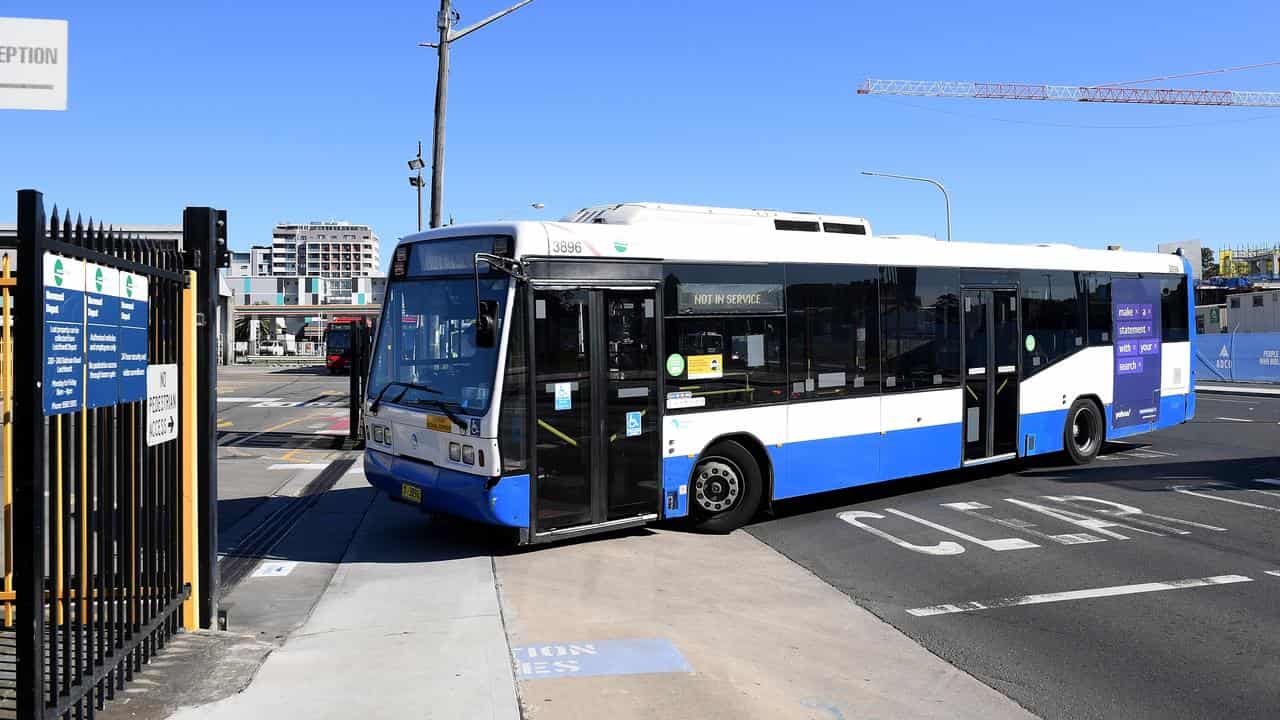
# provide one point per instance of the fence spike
(53, 224)
(78, 237)
(66, 226)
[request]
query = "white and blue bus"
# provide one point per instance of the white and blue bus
(640, 361)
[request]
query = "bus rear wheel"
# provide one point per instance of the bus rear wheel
(725, 488)
(1084, 432)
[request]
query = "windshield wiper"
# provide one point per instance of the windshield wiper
(443, 407)
(406, 387)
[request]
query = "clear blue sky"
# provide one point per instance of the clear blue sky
(294, 111)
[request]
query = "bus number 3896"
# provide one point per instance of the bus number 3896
(566, 247)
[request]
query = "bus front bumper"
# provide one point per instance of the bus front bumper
(450, 492)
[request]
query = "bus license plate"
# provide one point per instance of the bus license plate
(410, 493)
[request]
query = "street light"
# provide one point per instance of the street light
(416, 180)
(945, 197)
(535, 206)
(444, 22)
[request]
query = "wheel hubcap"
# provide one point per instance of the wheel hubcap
(717, 486)
(1082, 431)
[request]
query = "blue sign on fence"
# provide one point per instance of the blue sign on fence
(102, 326)
(63, 334)
(133, 337)
(1250, 357)
(1135, 314)
(633, 423)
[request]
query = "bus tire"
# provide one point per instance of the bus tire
(725, 489)
(1084, 432)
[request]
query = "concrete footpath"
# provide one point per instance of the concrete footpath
(740, 632)
(409, 627)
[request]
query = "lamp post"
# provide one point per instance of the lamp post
(416, 180)
(945, 197)
(535, 206)
(444, 22)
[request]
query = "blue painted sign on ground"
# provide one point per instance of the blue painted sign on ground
(1135, 314)
(102, 328)
(132, 338)
(63, 334)
(598, 657)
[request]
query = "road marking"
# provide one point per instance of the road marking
(999, 545)
(244, 399)
(299, 466)
(1231, 419)
(598, 657)
(1183, 489)
(276, 568)
(1272, 572)
(225, 423)
(1086, 594)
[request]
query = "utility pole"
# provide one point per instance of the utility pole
(444, 23)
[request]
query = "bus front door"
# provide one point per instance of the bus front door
(597, 448)
(990, 373)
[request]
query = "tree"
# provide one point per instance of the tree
(1208, 265)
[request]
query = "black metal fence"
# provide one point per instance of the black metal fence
(105, 542)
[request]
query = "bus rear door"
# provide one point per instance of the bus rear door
(991, 353)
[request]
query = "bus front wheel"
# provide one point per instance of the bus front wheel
(1084, 432)
(725, 488)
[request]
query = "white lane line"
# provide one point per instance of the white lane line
(1231, 419)
(1185, 491)
(299, 466)
(245, 399)
(1159, 452)
(1272, 572)
(1087, 594)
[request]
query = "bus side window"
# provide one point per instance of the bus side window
(1052, 318)
(833, 320)
(920, 309)
(1097, 287)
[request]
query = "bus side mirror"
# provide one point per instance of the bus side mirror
(487, 324)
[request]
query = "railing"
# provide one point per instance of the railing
(104, 540)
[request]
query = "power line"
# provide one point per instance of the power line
(1198, 73)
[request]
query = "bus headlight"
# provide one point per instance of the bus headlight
(468, 455)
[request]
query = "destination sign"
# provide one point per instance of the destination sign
(748, 298)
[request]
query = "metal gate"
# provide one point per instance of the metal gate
(107, 542)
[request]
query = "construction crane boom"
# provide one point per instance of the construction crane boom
(1070, 93)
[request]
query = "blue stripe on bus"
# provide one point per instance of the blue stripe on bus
(451, 492)
(1046, 428)
(675, 472)
(815, 466)
(918, 451)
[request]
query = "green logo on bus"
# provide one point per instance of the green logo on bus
(620, 245)
(675, 364)
(1030, 343)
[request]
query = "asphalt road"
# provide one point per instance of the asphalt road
(1145, 585)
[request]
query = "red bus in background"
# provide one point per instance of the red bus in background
(337, 342)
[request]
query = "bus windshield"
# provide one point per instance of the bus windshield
(337, 340)
(427, 340)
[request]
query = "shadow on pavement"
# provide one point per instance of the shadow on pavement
(1145, 477)
(280, 440)
(303, 370)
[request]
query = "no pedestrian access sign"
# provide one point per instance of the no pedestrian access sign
(162, 403)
